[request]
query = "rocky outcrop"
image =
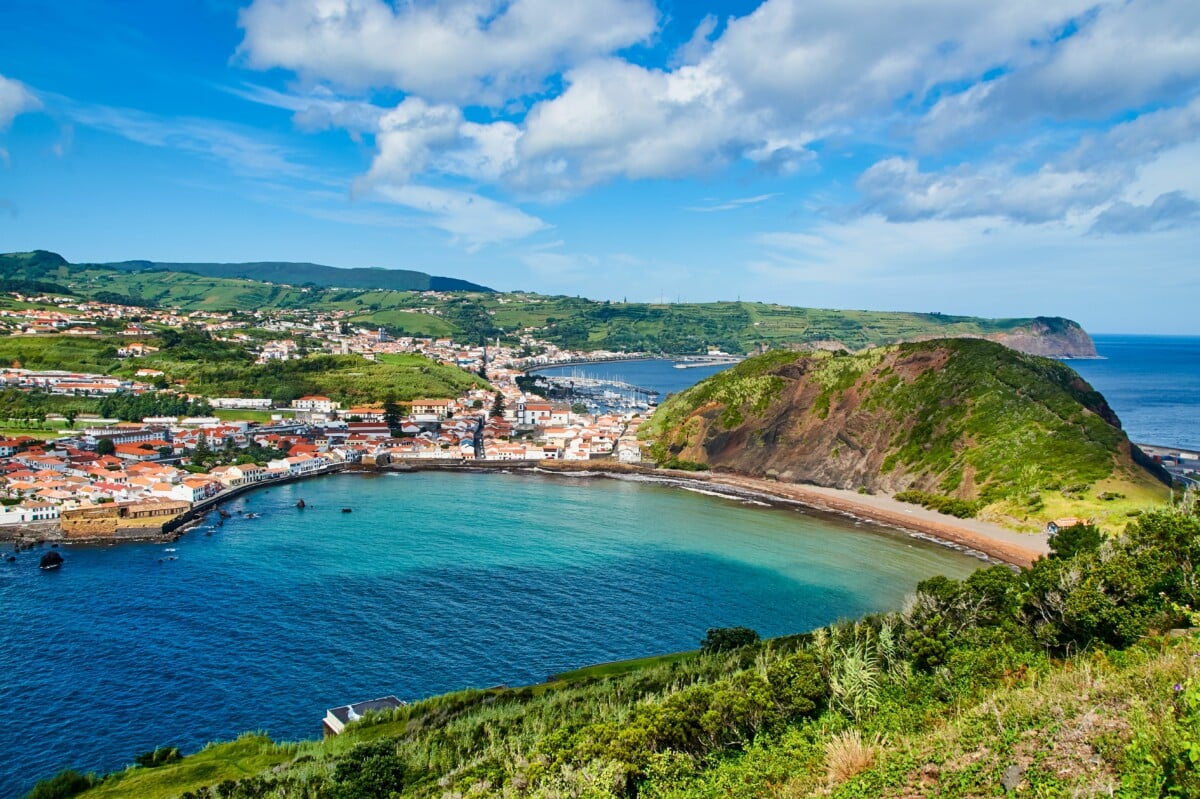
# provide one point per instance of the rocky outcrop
(1049, 337)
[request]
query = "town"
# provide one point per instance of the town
(86, 476)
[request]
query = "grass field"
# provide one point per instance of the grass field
(250, 416)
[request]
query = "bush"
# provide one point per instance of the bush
(724, 639)
(64, 784)
(951, 506)
(1074, 540)
(158, 757)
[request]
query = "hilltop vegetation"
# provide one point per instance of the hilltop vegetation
(302, 274)
(472, 314)
(1013, 436)
(1056, 679)
(213, 368)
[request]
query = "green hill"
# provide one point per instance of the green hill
(968, 424)
(301, 274)
(389, 299)
(1057, 681)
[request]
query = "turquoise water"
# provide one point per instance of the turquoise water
(435, 581)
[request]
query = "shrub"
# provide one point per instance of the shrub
(1074, 540)
(158, 757)
(847, 754)
(64, 784)
(723, 639)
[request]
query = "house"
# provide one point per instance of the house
(239, 475)
(315, 403)
(337, 718)
(28, 511)
(431, 407)
(1058, 525)
(534, 413)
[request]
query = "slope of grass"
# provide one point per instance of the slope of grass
(1060, 674)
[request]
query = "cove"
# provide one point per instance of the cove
(435, 582)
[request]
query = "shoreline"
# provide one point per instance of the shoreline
(986, 541)
(981, 539)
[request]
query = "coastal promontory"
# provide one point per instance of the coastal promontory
(967, 425)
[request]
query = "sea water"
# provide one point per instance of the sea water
(433, 582)
(1153, 383)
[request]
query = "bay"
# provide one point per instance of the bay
(434, 582)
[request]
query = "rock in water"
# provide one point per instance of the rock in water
(51, 560)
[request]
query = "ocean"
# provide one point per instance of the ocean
(434, 582)
(1153, 383)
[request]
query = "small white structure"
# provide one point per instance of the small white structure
(337, 718)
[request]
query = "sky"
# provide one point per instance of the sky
(1004, 159)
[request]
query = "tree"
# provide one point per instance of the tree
(498, 405)
(1071, 541)
(202, 452)
(70, 415)
(391, 415)
(105, 446)
(724, 639)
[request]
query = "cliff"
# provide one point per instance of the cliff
(1050, 337)
(960, 418)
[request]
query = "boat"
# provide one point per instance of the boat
(347, 510)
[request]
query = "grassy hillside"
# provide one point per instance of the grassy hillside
(299, 274)
(376, 297)
(1015, 437)
(975, 684)
(218, 369)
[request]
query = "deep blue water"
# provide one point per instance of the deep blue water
(1153, 383)
(659, 374)
(435, 582)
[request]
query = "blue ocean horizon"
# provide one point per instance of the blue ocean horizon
(1153, 384)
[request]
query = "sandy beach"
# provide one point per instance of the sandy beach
(998, 543)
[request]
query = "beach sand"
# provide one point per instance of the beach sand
(998, 543)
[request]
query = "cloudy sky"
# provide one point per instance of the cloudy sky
(1005, 158)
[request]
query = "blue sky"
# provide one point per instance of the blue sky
(993, 158)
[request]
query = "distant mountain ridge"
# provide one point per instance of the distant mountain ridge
(391, 299)
(301, 273)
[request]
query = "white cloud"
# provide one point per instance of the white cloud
(770, 90)
(473, 51)
(901, 192)
(318, 110)
(471, 218)
(1098, 171)
(243, 149)
(15, 99)
(732, 205)
(1168, 212)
